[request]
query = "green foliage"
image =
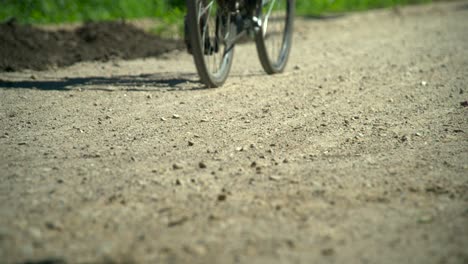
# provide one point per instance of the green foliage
(316, 7)
(59, 11)
(170, 11)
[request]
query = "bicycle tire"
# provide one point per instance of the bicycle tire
(204, 35)
(271, 62)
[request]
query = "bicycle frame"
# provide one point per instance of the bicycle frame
(244, 20)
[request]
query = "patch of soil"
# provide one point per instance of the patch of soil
(29, 47)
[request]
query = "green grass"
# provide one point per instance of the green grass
(170, 11)
(317, 7)
(63, 11)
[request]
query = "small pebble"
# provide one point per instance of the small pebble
(274, 178)
(176, 116)
(54, 226)
(328, 251)
(197, 250)
(425, 219)
(35, 233)
(202, 165)
(222, 197)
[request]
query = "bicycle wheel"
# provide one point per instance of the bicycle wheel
(274, 38)
(208, 28)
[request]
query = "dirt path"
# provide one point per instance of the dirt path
(358, 154)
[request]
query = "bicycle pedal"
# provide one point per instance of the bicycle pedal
(257, 23)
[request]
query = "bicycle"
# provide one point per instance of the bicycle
(213, 27)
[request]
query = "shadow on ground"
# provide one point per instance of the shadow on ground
(463, 7)
(142, 82)
(325, 16)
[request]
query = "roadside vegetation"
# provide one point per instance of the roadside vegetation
(167, 13)
(318, 7)
(63, 11)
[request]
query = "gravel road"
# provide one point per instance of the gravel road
(357, 154)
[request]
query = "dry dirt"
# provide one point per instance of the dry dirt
(357, 154)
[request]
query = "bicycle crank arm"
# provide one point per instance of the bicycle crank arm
(232, 41)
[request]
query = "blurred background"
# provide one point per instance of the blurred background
(169, 11)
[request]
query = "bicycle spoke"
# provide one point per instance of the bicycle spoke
(272, 26)
(267, 16)
(203, 10)
(211, 36)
